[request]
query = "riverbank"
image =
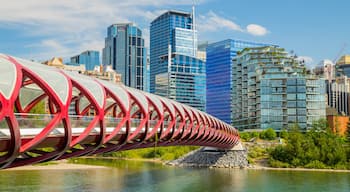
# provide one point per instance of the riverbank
(65, 165)
(258, 167)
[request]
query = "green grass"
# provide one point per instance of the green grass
(162, 153)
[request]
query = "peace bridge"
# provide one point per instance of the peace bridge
(85, 116)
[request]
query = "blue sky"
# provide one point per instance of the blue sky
(39, 30)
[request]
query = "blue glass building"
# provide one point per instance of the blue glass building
(273, 90)
(89, 58)
(125, 51)
(175, 71)
(219, 76)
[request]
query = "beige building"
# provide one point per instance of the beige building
(108, 74)
(58, 63)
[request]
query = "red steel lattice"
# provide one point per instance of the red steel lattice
(116, 117)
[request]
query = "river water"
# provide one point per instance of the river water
(121, 175)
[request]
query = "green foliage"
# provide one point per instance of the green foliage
(250, 160)
(318, 148)
(278, 164)
(321, 125)
(316, 165)
(245, 136)
(284, 134)
(256, 152)
(47, 163)
(254, 134)
(163, 153)
(3, 124)
(39, 108)
(268, 134)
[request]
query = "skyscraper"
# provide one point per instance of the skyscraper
(89, 58)
(125, 51)
(175, 71)
(219, 76)
(272, 90)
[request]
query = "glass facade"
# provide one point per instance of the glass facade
(338, 95)
(273, 91)
(175, 71)
(90, 59)
(125, 51)
(219, 76)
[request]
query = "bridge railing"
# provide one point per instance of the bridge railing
(32, 124)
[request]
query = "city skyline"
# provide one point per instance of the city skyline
(45, 29)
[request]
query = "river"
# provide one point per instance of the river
(138, 176)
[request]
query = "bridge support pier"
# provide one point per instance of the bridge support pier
(238, 147)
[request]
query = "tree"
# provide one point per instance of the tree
(284, 134)
(320, 125)
(268, 134)
(312, 149)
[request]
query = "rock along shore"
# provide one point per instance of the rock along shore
(211, 159)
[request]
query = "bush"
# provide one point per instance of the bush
(284, 134)
(343, 166)
(255, 152)
(254, 134)
(316, 165)
(250, 160)
(278, 164)
(245, 136)
(268, 134)
(168, 157)
(316, 148)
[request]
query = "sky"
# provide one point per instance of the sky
(41, 29)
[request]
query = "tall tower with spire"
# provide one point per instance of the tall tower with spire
(176, 72)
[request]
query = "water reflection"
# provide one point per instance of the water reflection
(145, 176)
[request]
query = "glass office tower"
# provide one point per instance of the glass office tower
(175, 71)
(89, 58)
(219, 76)
(272, 90)
(125, 51)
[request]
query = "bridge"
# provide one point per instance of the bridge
(50, 114)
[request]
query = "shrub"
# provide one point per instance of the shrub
(284, 134)
(316, 165)
(278, 164)
(268, 134)
(245, 136)
(255, 152)
(168, 156)
(254, 134)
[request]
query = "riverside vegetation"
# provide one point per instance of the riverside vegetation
(159, 153)
(318, 148)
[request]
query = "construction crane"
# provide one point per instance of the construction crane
(339, 53)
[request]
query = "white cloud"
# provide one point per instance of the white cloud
(65, 28)
(256, 30)
(69, 27)
(213, 22)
